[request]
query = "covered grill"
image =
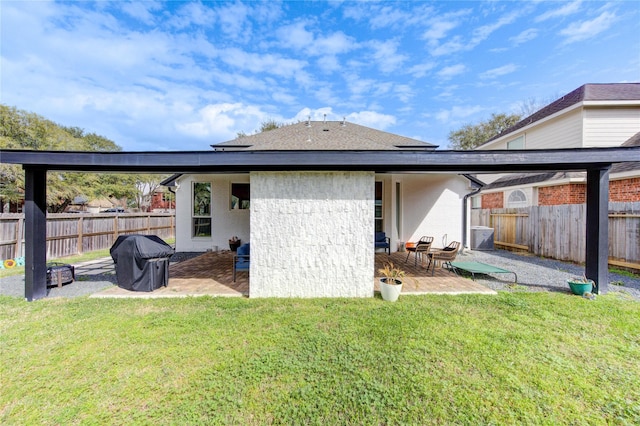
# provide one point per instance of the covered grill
(141, 262)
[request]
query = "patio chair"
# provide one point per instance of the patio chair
(445, 255)
(382, 242)
(241, 260)
(418, 249)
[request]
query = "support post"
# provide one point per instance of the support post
(597, 238)
(35, 215)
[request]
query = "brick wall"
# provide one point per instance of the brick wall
(311, 234)
(624, 190)
(572, 193)
(493, 200)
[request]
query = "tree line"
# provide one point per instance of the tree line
(28, 131)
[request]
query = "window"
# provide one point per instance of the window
(201, 215)
(240, 196)
(517, 143)
(517, 198)
(378, 207)
(476, 202)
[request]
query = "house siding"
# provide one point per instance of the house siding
(610, 127)
(561, 132)
(311, 234)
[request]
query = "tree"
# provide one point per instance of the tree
(473, 135)
(265, 126)
(24, 130)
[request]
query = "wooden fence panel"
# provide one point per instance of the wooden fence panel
(70, 234)
(559, 232)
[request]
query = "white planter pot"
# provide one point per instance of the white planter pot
(390, 292)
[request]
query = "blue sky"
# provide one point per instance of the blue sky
(182, 75)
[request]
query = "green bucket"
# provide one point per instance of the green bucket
(580, 288)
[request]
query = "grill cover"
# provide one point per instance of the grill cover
(141, 262)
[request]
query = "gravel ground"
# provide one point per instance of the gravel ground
(534, 274)
(540, 274)
(84, 285)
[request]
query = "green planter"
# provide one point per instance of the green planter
(580, 287)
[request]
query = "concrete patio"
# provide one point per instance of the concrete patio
(211, 274)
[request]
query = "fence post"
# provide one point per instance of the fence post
(19, 237)
(80, 228)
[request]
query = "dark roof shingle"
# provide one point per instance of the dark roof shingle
(320, 135)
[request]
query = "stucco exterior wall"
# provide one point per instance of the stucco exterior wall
(225, 222)
(312, 234)
(432, 206)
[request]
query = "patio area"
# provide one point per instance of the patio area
(211, 274)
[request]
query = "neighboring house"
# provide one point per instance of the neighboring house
(594, 115)
(162, 199)
(287, 214)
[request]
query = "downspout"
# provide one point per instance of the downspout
(464, 209)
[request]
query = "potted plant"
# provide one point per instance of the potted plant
(234, 243)
(391, 282)
(580, 285)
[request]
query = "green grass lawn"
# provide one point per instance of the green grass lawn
(515, 358)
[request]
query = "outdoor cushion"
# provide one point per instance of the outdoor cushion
(382, 241)
(243, 250)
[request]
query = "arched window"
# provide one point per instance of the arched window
(517, 198)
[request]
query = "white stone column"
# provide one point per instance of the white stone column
(312, 234)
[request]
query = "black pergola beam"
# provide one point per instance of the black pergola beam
(597, 229)
(596, 161)
(35, 215)
(503, 161)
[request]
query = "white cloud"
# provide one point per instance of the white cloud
(142, 11)
(420, 70)
(192, 14)
(482, 33)
(583, 30)
(566, 10)
(296, 36)
(262, 63)
(404, 92)
(372, 119)
(499, 72)
(439, 30)
(457, 113)
(451, 71)
(221, 122)
(386, 55)
(452, 45)
(524, 36)
(233, 21)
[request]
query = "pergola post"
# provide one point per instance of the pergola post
(597, 238)
(35, 214)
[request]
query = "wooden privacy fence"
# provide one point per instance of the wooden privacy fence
(70, 234)
(558, 232)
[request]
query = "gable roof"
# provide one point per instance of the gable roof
(530, 178)
(584, 93)
(323, 136)
(630, 166)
